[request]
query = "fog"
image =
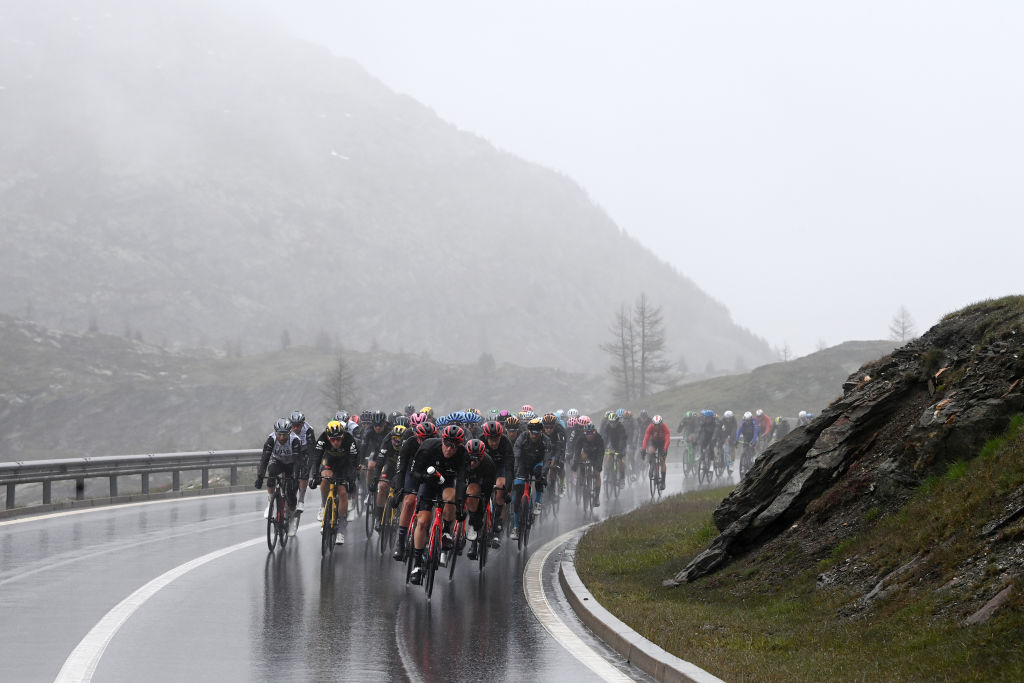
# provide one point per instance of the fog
(813, 166)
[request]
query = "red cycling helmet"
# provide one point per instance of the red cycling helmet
(454, 433)
(476, 449)
(426, 430)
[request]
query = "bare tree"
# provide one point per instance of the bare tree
(339, 390)
(622, 349)
(652, 368)
(901, 328)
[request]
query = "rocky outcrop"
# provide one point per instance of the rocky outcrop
(934, 401)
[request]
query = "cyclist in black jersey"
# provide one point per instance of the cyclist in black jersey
(336, 456)
(590, 447)
(499, 448)
(282, 454)
(404, 478)
(480, 478)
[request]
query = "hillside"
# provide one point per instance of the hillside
(199, 178)
(884, 541)
(808, 383)
(68, 395)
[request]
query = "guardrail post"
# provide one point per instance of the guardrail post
(80, 488)
(113, 486)
(10, 496)
(46, 492)
(206, 477)
(234, 475)
(176, 480)
(145, 483)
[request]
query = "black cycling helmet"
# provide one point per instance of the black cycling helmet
(401, 420)
(476, 449)
(535, 425)
(426, 430)
(492, 430)
(454, 433)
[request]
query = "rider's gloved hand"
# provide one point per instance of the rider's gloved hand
(314, 482)
(259, 482)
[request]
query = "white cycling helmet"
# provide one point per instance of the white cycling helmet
(572, 412)
(656, 420)
(747, 415)
(760, 412)
(728, 413)
(802, 413)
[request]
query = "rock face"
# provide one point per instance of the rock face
(934, 401)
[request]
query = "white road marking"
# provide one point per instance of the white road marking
(82, 662)
(537, 599)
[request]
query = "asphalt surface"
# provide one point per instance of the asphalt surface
(187, 589)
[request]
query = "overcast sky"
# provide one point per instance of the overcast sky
(813, 166)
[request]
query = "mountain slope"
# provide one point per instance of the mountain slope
(201, 177)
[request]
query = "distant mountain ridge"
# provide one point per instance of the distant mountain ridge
(201, 180)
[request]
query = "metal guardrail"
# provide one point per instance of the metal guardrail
(14, 474)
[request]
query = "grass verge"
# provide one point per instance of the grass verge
(754, 622)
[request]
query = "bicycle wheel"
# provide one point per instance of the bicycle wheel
(433, 558)
(328, 528)
(409, 548)
(653, 478)
(458, 529)
(526, 523)
(483, 543)
(272, 526)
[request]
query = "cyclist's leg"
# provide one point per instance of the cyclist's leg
(500, 499)
(518, 484)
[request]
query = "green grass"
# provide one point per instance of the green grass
(743, 624)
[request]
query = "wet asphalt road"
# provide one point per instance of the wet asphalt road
(248, 614)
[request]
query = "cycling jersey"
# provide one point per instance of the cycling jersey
(657, 436)
(529, 453)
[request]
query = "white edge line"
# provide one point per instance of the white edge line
(100, 508)
(81, 664)
(533, 587)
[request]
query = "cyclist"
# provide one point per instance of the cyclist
(513, 428)
(590, 448)
(557, 434)
(307, 436)
(642, 423)
(447, 456)
(727, 438)
(336, 455)
(282, 452)
(480, 480)
(615, 439)
(403, 475)
(387, 459)
(764, 427)
(373, 439)
(706, 426)
(746, 434)
(656, 441)
(500, 450)
(781, 428)
(532, 450)
(803, 418)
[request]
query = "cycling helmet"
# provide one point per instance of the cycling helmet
(426, 430)
(643, 413)
(707, 413)
(535, 425)
(549, 420)
(612, 417)
(366, 415)
(475, 418)
(529, 415)
(572, 412)
(428, 411)
(379, 417)
(341, 416)
(759, 412)
(727, 414)
(334, 430)
(559, 413)
(689, 413)
(443, 421)
(398, 431)
(512, 422)
(401, 420)
(572, 422)
(620, 412)
(527, 408)
(503, 414)
(802, 413)
(629, 413)
(476, 449)
(492, 430)
(589, 428)
(656, 420)
(410, 409)
(354, 419)
(282, 426)
(454, 433)
(584, 420)
(394, 414)
(417, 418)
(747, 415)
(297, 417)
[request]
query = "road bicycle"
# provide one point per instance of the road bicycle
(554, 498)
(432, 551)
(525, 510)
(483, 539)
(370, 516)
(689, 458)
(655, 475)
(705, 464)
(614, 478)
(389, 519)
(329, 524)
(746, 458)
(586, 487)
(278, 519)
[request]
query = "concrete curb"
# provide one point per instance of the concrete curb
(639, 651)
